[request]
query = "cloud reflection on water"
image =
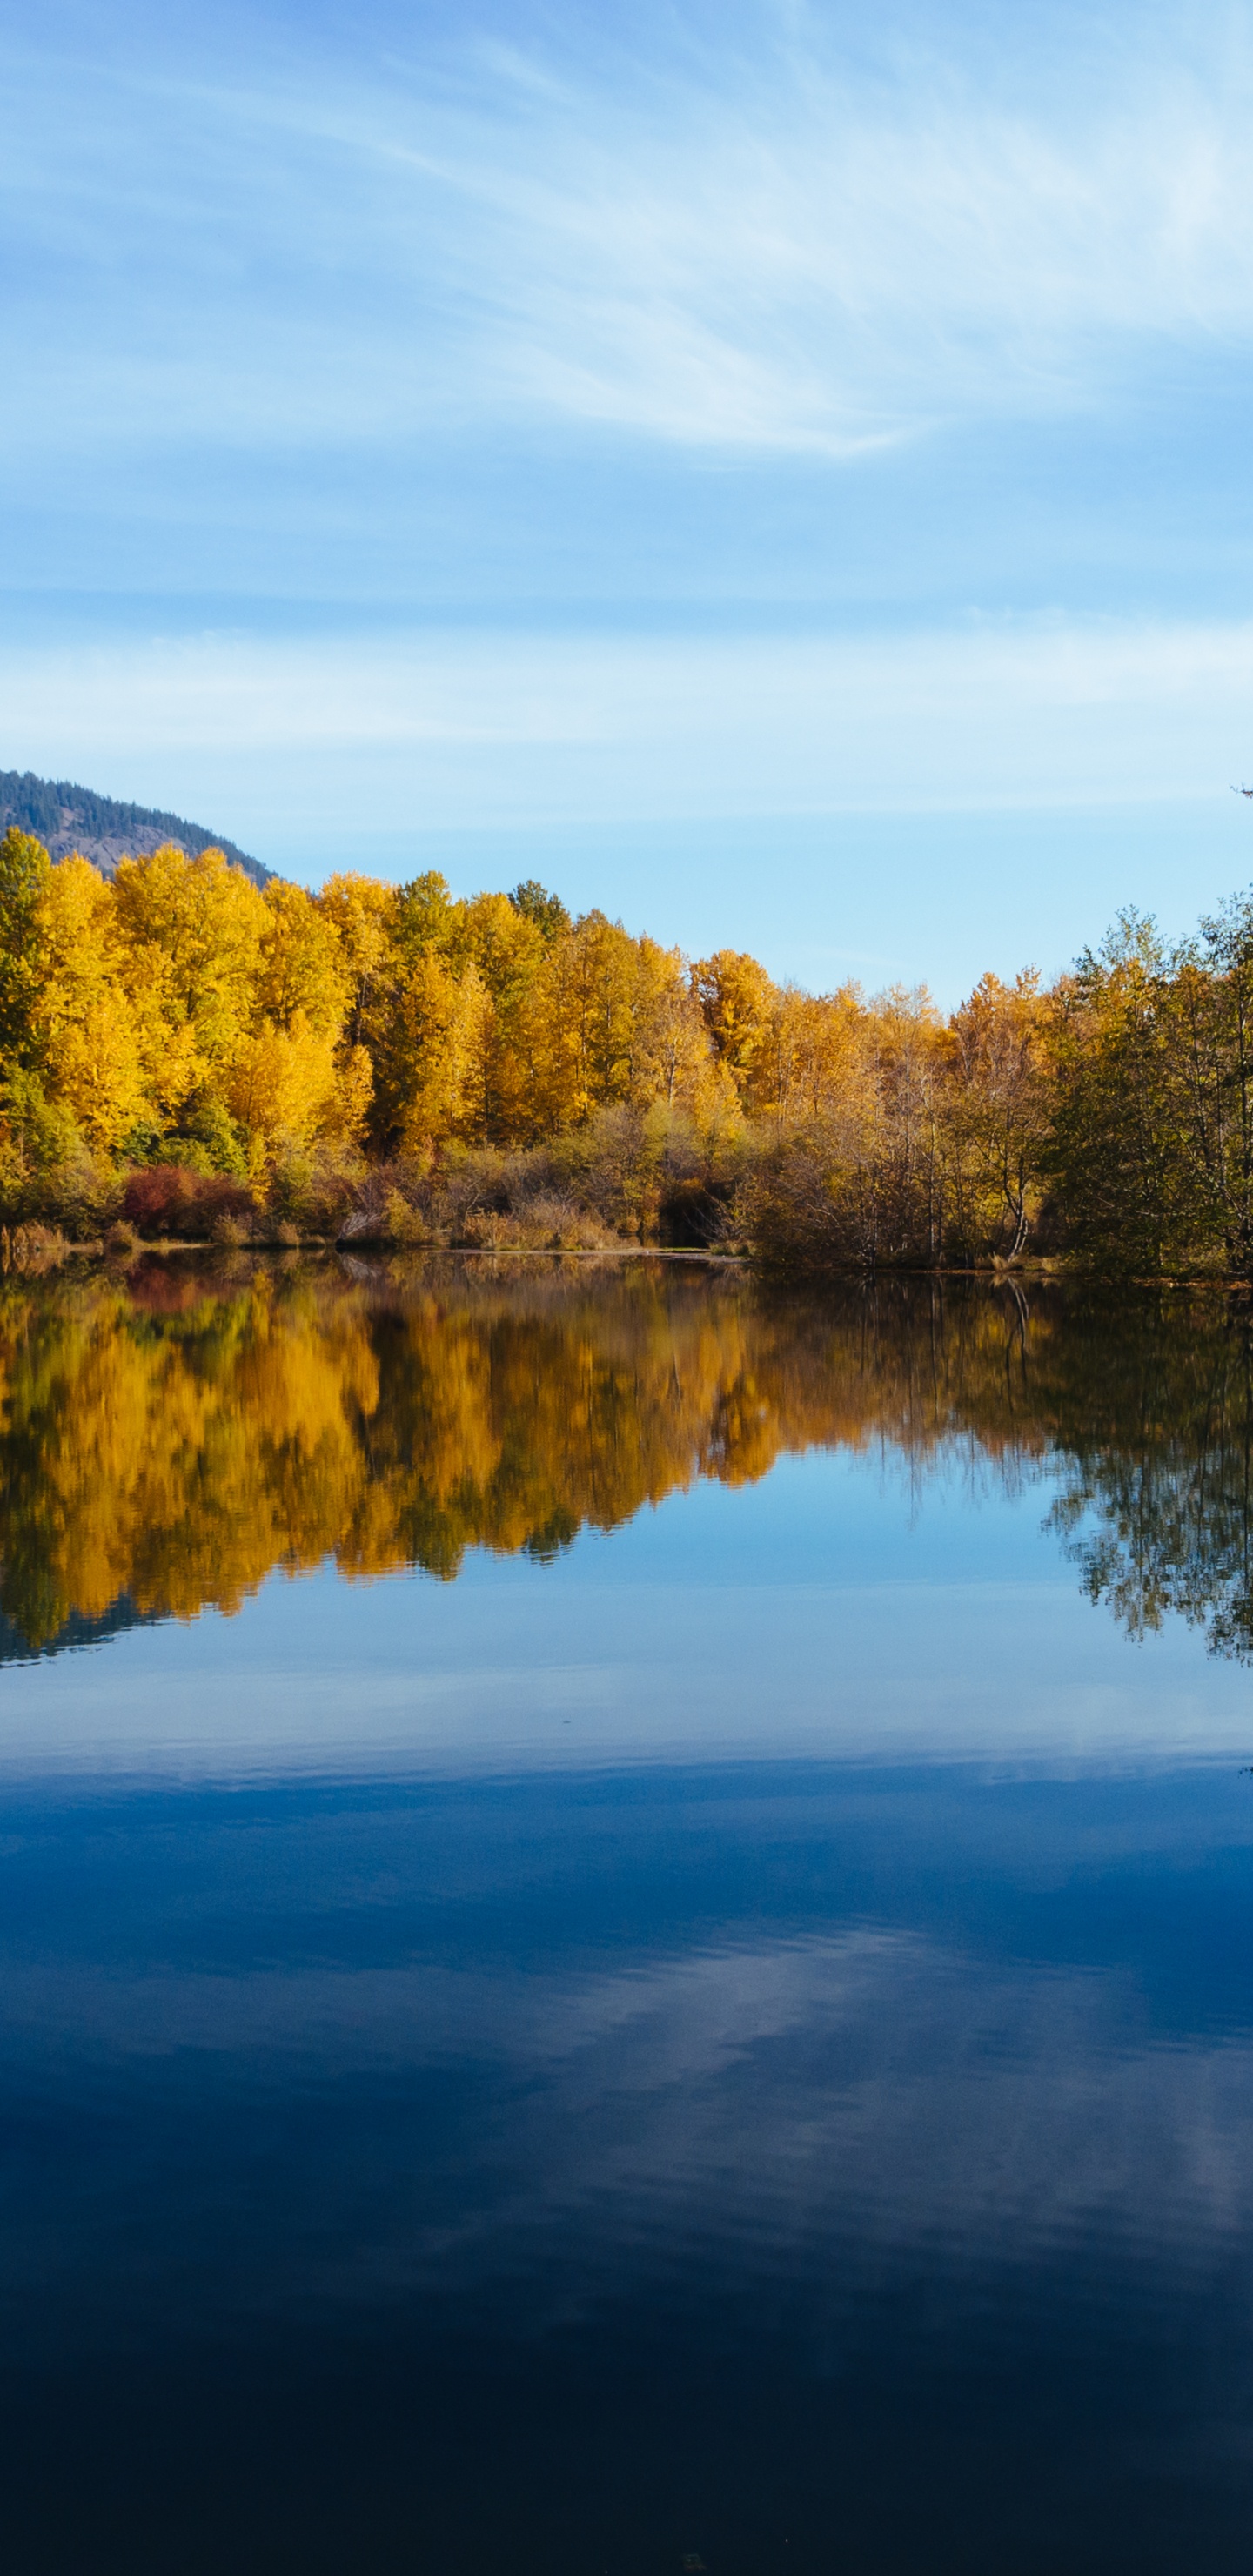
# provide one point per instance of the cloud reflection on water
(814, 2113)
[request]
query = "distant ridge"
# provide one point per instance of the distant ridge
(102, 829)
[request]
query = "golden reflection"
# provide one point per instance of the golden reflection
(165, 1442)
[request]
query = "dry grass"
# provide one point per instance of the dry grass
(231, 1232)
(544, 1224)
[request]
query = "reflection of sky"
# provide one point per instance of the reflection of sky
(739, 2108)
(806, 2025)
(622, 2048)
(908, 2082)
(837, 1607)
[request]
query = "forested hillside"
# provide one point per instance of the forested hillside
(183, 1051)
(100, 828)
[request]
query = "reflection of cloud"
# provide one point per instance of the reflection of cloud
(798, 2107)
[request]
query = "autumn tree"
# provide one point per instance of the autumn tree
(672, 1059)
(505, 943)
(201, 924)
(301, 972)
(100, 1034)
(362, 914)
(737, 999)
(587, 1001)
(1000, 1112)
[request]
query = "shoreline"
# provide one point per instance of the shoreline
(53, 1258)
(44, 1260)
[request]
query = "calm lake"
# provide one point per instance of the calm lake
(627, 1924)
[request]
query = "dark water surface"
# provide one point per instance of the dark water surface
(627, 1925)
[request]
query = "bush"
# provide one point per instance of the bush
(541, 1224)
(402, 1222)
(160, 1199)
(218, 1198)
(490, 1231)
(81, 1200)
(230, 1231)
(695, 1212)
(122, 1240)
(317, 1192)
(466, 1186)
(168, 1199)
(626, 1175)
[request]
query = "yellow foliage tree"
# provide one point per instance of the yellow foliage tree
(302, 971)
(672, 1060)
(507, 952)
(98, 1042)
(1001, 1108)
(431, 1066)
(195, 929)
(281, 1085)
(587, 994)
(362, 915)
(182, 1013)
(738, 1000)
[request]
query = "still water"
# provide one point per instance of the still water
(625, 1916)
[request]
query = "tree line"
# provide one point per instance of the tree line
(397, 1060)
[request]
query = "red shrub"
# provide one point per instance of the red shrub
(165, 1199)
(160, 1199)
(217, 1196)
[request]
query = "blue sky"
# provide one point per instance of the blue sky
(777, 472)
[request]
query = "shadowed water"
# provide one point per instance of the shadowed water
(626, 1924)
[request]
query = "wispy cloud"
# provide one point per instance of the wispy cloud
(760, 244)
(471, 728)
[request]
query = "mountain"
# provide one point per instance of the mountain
(65, 817)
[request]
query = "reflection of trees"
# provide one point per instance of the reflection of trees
(1151, 1406)
(174, 1442)
(164, 1446)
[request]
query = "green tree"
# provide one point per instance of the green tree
(24, 872)
(1221, 1028)
(535, 904)
(1123, 1153)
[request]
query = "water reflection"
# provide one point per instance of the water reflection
(732, 2049)
(168, 1441)
(812, 2106)
(605, 2168)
